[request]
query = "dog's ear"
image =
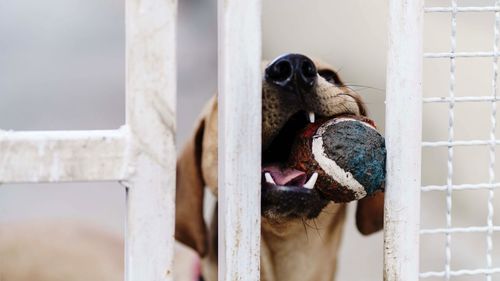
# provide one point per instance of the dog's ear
(190, 228)
(370, 214)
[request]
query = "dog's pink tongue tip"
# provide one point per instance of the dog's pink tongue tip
(285, 176)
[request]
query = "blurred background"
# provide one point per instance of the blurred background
(62, 67)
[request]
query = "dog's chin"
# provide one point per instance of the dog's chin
(290, 202)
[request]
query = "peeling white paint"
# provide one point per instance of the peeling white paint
(41, 149)
(54, 168)
(29, 156)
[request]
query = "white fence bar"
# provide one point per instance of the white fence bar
(239, 139)
(461, 55)
(151, 88)
(461, 9)
(454, 187)
(481, 271)
(469, 229)
(57, 156)
(403, 140)
(461, 99)
(429, 144)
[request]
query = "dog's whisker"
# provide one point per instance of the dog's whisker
(352, 90)
(360, 89)
(363, 86)
(305, 229)
(317, 229)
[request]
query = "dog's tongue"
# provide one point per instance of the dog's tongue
(286, 176)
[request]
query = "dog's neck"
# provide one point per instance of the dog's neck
(293, 251)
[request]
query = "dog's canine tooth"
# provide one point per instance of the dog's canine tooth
(312, 117)
(312, 181)
(269, 178)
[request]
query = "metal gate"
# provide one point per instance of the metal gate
(141, 155)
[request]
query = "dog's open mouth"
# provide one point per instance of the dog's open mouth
(286, 191)
(312, 162)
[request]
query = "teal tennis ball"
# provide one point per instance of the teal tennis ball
(346, 152)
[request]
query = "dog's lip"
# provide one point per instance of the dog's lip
(291, 201)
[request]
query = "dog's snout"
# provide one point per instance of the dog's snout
(292, 72)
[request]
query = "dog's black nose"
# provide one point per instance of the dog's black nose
(292, 72)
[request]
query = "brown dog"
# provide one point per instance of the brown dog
(297, 243)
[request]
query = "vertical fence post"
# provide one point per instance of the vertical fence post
(151, 88)
(239, 139)
(403, 140)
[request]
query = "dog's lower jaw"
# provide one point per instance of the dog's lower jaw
(293, 251)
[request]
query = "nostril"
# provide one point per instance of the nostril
(280, 71)
(308, 69)
(292, 73)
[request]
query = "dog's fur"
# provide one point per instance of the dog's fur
(292, 248)
(59, 251)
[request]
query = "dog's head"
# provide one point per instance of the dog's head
(296, 91)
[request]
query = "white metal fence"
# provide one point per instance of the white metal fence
(141, 154)
(404, 93)
(451, 143)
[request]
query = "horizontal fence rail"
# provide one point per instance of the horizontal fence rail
(460, 187)
(58, 156)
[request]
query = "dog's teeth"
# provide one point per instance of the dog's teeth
(312, 117)
(269, 178)
(312, 181)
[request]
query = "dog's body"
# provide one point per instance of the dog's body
(293, 251)
(296, 245)
(59, 251)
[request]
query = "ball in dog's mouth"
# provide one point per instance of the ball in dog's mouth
(337, 159)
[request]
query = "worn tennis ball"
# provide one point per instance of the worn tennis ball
(348, 154)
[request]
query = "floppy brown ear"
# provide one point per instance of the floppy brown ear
(370, 214)
(190, 228)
